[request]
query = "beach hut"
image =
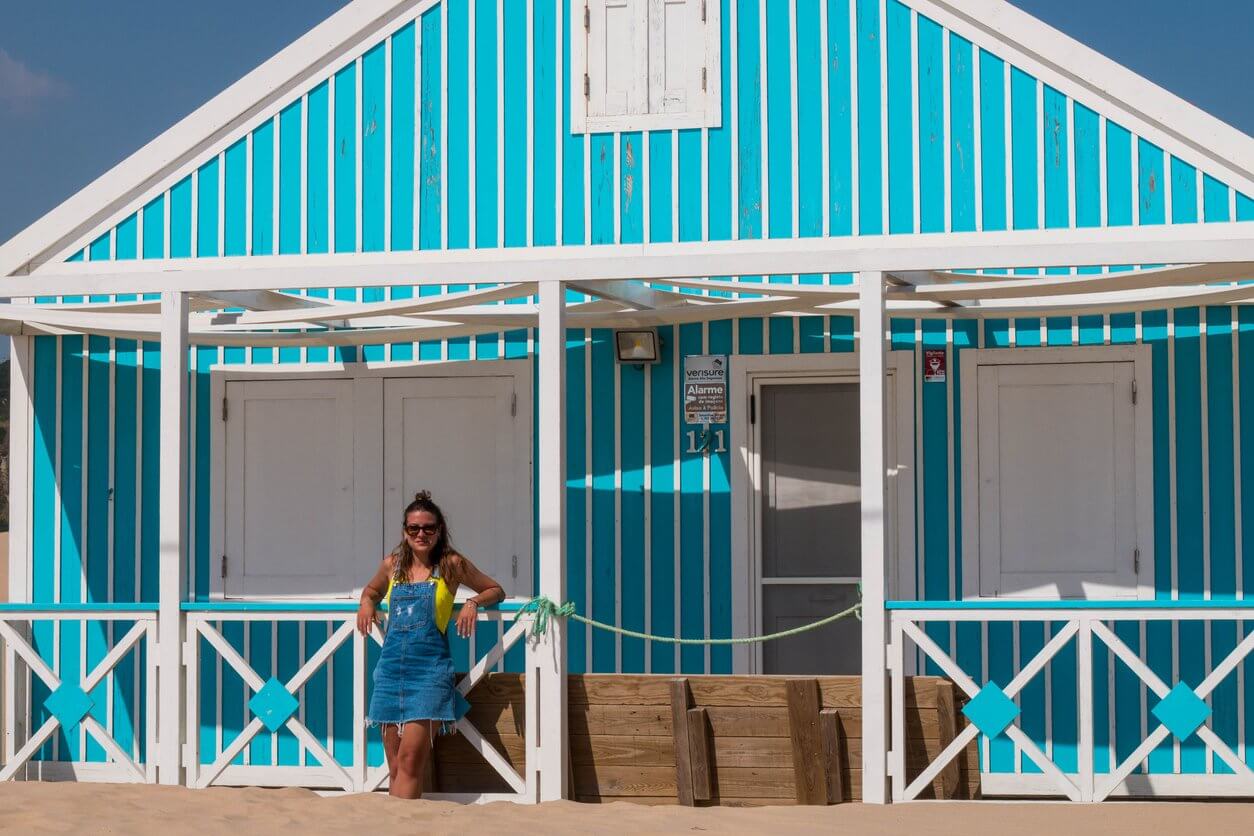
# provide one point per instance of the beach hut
(711, 317)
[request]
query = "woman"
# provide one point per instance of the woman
(413, 682)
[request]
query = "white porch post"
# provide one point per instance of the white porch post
(13, 679)
(172, 532)
(872, 399)
(546, 657)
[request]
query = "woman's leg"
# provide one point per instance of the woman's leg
(410, 763)
(391, 745)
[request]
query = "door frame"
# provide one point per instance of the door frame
(368, 503)
(1141, 356)
(745, 371)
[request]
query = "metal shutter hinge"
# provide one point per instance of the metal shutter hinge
(224, 566)
(513, 405)
(587, 86)
(587, 19)
(1134, 392)
(1136, 561)
(753, 409)
(703, 11)
(704, 74)
(224, 409)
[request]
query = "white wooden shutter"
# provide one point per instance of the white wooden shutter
(677, 56)
(618, 54)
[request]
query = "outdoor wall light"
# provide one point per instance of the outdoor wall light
(637, 346)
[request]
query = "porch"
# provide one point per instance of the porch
(177, 635)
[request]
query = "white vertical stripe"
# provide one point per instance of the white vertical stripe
(855, 178)
(388, 115)
(794, 209)
(500, 123)
(1207, 627)
(222, 204)
(331, 85)
(472, 137)
(677, 484)
(675, 229)
(916, 124)
(85, 553)
(977, 163)
(195, 215)
(883, 52)
(444, 127)
(249, 173)
(946, 134)
(418, 182)
(618, 512)
(1069, 107)
(587, 486)
(529, 98)
(764, 140)
(735, 125)
(647, 468)
(1007, 112)
(1040, 155)
(303, 209)
(825, 119)
(1237, 515)
(559, 99)
(1102, 172)
(359, 147)
(1136, 180)
(705, 187)
(705, 518)
(274, 193)
(616, 188)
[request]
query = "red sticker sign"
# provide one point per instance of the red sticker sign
(934, 365)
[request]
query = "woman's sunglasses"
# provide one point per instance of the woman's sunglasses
(415, 530)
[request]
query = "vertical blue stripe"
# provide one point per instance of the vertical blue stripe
(207, 210)
(993, 142)
(289, 177)
(720, 342)
(317, 189)
(661, 218)
(577, 466)
(430, 186)
(962, 162)
(235, 233)
(662, 458)
(630, 204)
(1189, 510)
(632, 518)
(1088, 196)
(96, 537)
(43, 507)
(460, 142)
(1118, 176)
(373, 147)
(1222, 510)
(810, 106)
(1057, 159)
(572, 151)
(181, 219)
(870, 101)
(900, 120)
(345, 150)
(749, 124)
(779, 49)
(154, 228)
(404, 129)
(544, 117)
(1158, 638)
(71, 518)
(931, 117)
(263, 187)
(517, 149)
(691, 525)
(125, 715)
(1183, 193)
(604, 525)
(1149, 179)
(487, 187)
(1023, 139)
(839, 66)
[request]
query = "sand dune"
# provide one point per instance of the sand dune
(165, 811)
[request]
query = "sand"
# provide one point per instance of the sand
(159, 811)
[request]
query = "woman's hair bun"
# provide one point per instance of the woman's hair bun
(422, 496)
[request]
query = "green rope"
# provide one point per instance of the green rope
(545, 609)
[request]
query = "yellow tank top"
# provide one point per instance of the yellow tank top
(443, 601)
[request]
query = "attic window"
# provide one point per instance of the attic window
(645, 65)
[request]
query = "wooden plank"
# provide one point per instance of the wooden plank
(617, 750)
(946, 783)
(681, 699)
(834, 763)
(646, 689)
(807, 742)
(700, 747)
(454, 748)
(765, 782)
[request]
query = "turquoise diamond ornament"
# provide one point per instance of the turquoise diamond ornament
(991, 710)
(69, 705)
(1182, 711)
(273, 704)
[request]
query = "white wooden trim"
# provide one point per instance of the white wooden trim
(1141, 358)
(1165, 244)
(546, 727)
(1133, 786)
(745, 499)
(873, 425)
(172, 530)
(21, 485)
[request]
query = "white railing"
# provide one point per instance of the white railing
(1174, 709)
(276, 703)
(70, 704)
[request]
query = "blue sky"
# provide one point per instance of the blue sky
(84, 84)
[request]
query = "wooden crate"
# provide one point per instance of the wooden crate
(622, 737)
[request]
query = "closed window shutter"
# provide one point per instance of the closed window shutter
(618, 55)
(677, 56)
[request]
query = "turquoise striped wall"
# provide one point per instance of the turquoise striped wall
(436, 138)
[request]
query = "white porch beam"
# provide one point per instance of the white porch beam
(21, 394)
(172, 532)
(872, 398)
(546, 730)
(638, 296)
(1168, 244)
(266, 300)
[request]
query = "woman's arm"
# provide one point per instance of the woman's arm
(487, 592)
(372, 594)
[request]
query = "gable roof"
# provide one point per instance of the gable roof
(1057, 60)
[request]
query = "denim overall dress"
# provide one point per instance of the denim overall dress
(414, 679)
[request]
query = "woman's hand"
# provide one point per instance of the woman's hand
(467, 617)
(366, 615)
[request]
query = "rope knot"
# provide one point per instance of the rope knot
(545, 609)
